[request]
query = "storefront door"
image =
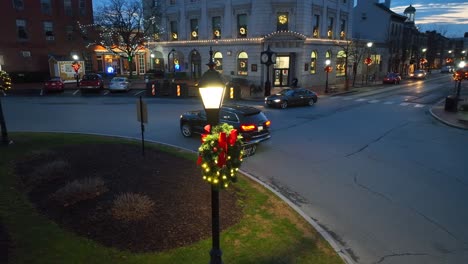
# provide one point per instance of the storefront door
(281, 71)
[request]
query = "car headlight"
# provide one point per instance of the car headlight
(277, 100)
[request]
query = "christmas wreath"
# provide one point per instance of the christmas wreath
(5, 81)
(220, 155)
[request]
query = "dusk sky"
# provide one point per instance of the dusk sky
(444, 16)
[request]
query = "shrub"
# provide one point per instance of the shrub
(79, 190)
(130, 207)
(48, 171)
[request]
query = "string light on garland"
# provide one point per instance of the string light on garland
(220, 155)
(5, 81)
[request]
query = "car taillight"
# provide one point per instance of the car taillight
(247, 128)
(268, 123)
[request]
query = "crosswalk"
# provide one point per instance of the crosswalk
(378, 101)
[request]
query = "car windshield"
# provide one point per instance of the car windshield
(55, 79)
(286, 92)
(118, 80)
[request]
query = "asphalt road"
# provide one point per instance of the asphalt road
(386, 180)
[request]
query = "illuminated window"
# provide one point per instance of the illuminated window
(282, 21)
(313, 62)
(141, 64)
(340, 63)
(242, 26)
(330, 28)
(242, 63)
(218, 59)
(216, 24)
(328, 54)
(174, 34)
(343, 29)
(21, 29)
(316, 31)
(193, 29)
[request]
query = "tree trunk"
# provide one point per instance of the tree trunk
(3, 127)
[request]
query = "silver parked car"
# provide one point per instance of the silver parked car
(119, 84)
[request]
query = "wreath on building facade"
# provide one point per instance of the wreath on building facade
(220, 155)
(5, 81)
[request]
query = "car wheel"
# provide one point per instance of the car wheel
(311, 102)
(186, 130)
(284, 104)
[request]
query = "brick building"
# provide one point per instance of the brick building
(34, 30)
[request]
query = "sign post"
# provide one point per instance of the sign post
(76, 66)
(142, 117)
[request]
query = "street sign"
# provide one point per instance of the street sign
(142, 112)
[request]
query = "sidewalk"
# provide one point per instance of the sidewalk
(451, 118)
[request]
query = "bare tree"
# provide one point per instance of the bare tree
(354, 51)
(123, 27)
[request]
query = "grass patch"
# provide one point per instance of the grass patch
(269, 232)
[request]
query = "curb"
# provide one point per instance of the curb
(438, 118)
(341, 251)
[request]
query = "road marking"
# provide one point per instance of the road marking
(374, 101)
(348, 98)
(106, 92)
(361, 100)
(389, 103)
(42, 92)
(4, 94)
(404, 104)
(74, 93)
(139, 92)
(419, 105)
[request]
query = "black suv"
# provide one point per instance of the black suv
(249, 121)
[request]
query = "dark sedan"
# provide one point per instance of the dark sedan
(392, 78)
(289, 97)
(249, 121)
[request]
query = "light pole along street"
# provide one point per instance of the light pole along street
(268, 58)
(327, 69)
(211, 87)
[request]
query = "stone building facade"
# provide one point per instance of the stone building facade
(304, 34)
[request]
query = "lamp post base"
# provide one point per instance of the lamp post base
(267, 88)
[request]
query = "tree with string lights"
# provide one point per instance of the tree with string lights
(123, 27)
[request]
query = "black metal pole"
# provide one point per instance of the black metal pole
(142, 129)
(458, 89)
(326, 83)
(3, 127)
(267, 83)
(212, 116)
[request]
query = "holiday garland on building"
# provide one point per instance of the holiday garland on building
(220, 155)
(5, 81)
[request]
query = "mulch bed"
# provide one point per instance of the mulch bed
(182, 201)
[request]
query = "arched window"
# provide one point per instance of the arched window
(218, 59)
(340, 63)
(328, 54)
(242, 63)
(313, 62)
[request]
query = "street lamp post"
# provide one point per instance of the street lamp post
(152, 60)
(368, 60)
(168, 59)
(327, 70)
(76, 66)
(268, 58)
(211, 87)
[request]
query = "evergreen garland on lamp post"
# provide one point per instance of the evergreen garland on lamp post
(5, 84)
